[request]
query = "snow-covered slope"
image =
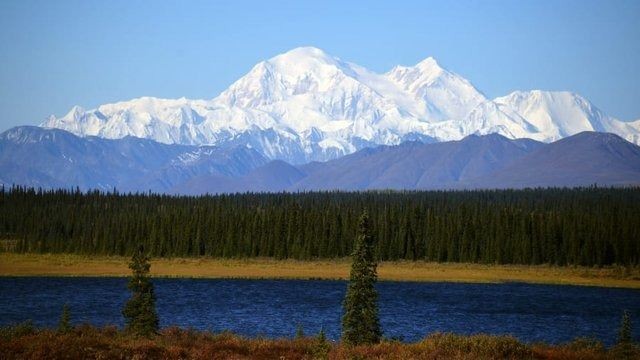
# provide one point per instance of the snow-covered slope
(306, 105)
(555, 115)
(445, 94)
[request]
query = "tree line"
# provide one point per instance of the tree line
(360, 314)
(586, 226)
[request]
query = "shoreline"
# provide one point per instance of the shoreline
(67, 265)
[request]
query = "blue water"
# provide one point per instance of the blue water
(273, 308)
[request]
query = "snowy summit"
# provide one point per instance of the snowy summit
(306, 105)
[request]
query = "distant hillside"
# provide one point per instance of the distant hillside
(52, 158)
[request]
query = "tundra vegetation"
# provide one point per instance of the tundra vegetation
(24, 341)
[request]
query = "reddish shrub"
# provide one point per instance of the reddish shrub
(87, 342)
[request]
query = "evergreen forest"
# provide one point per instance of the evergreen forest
(586, 226)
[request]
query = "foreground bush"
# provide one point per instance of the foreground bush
(87, 342)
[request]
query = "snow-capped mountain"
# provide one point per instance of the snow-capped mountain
(445, 94)
(555, 115)
(306, 105)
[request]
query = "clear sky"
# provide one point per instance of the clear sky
(56, 54)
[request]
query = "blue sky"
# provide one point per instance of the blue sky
(56, 54)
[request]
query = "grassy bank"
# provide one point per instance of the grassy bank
(86, 342)
(75, 265)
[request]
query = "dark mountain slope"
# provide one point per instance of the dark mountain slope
(53, 158)
(583, 159)
(416, 165)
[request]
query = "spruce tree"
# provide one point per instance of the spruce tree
(64, 326)
(322, 346)
(624, 334)
(360, 322)
(140, 311)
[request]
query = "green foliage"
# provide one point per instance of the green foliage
(589, 226)
(625, 351)
(625, 331)
(13, 331)
(140, 311)
(64, 325)
(299, 331)
(322, 347)
(625, 348)
(360, 322)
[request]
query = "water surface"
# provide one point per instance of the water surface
(273, 308)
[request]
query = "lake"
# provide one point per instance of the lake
(273, 308)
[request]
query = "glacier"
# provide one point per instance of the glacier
(306, 105)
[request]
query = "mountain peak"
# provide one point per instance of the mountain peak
(305, 51)
(298, 71)
(557, 114)
(428, 67)
(545, 95)
(447, 95)
(429, 64)
(75, 111)
(305, 56)
(304, 105)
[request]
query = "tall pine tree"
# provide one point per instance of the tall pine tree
(625, 333)
(360, 322)
(140, 311)
(64, 326)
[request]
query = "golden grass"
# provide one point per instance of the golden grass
(12, 264)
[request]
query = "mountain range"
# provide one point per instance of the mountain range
(305, 105)
(53, 158)
(305, 120)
